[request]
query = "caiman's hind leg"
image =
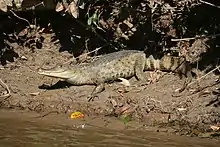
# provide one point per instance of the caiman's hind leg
(98, 89)
(139, 70)
(185, 72)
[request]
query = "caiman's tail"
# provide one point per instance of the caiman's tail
(168, 63)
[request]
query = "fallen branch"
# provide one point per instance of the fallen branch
(85, 54)
(207, 3)
(197, 80)
(197, 37)
(6, 88)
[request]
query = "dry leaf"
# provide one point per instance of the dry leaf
(215, 128)
(9, 2)
(114, 103)
(23, 32)
(18, 3)
(124, 82)
(32, 26)
(3, 6)
(59, 7)
(24, 58)
(177, 90)
(124, 109)
(73, 9)
(34, 93)
(181, 109)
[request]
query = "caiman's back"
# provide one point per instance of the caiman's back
(115, 65)
(107, 58)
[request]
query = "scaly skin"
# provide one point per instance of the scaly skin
(110, 67)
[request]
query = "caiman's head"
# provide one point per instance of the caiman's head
(59, 73)
(76, 76)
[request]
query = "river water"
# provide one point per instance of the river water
(23, 130)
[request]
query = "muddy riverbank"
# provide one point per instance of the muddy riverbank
(192, 112)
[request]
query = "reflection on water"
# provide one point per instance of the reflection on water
(17, 132)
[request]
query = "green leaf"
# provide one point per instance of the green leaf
(89, 21)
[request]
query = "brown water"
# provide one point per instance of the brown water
(19, 129)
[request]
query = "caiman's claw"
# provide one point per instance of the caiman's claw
(91, 98)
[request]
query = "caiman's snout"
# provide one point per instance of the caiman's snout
(43, 71)
(58, 73)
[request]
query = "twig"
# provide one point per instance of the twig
(33, 7)
(97, 34)
(95, 50)
(209, 4)
(197, 37)
(7, 89)
(20, 17)
(48, 113)
(197, 80)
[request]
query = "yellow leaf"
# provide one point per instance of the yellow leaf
(77, 114)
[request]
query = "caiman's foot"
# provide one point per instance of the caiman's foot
(154, 76)
(142, 83)
(99, 88)
(185, 85)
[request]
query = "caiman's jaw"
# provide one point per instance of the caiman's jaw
(58, 73)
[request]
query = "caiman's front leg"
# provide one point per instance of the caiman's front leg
(99, 88)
